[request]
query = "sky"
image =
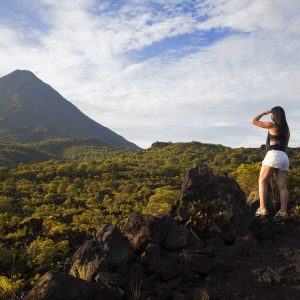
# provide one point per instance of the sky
(163, 70)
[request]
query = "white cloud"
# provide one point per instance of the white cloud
(209, 95)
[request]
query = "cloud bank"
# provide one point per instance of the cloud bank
(163, 70)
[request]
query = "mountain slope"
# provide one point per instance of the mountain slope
(31, 110)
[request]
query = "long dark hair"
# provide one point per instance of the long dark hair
(280, 122)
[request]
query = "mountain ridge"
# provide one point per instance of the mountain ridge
(31, 110)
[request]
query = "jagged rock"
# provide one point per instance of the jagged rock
(213, 206)
(195, 262)
(113, 279)
(105, 252)
(167, 267)
(59, 286)
(150, 252)
(177, 238)
(195, 244)
(144, 229)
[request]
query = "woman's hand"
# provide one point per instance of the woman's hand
(267, 112)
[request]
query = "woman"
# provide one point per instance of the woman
(275, 162)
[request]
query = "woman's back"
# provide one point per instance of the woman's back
(276, 140)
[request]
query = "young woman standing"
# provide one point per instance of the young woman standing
(276, 161)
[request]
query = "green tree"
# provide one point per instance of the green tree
(45, 252)
(247, 176)
(161, 201)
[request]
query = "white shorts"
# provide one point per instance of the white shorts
(276, 159)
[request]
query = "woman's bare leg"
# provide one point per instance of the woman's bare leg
(280, 177)
(265, 173)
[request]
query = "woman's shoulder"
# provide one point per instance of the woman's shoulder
(273, 130)
(272, 126)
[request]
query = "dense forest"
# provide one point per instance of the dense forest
(56, 194)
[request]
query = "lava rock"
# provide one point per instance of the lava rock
(60, 286)
(177, 238)
(143, 229)
(105, 252)
(213, 206)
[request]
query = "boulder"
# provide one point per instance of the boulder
(104, 253)
(199, 263)
(150, 252)
(212, 206)
(177, 238)
(61, 286)
(142, 229)
(167, 267)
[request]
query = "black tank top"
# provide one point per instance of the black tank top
(280, 142)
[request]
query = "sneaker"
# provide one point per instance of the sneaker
(281, 216)
(261, 212)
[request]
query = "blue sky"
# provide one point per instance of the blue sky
(161, 70)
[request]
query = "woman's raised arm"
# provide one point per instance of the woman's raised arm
(255, 121)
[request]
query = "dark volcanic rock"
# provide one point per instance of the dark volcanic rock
(151, 251)
(144, 229)
(105, 252)
(60, 286)
(141, 230)
(167, 267)
(195, 262)
(177, 238)
(213, 206)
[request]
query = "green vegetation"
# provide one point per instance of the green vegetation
(48, 208)
(58, 148)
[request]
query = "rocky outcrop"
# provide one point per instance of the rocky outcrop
(108, 250)
(212, 206)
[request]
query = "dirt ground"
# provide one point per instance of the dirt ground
(269, 270)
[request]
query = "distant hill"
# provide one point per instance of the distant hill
(32, 111)
(58, 149)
